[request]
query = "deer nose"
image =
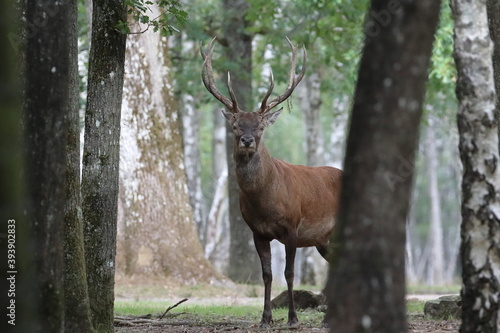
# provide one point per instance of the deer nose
(247, 140)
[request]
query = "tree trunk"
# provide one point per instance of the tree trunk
(76, 298)
(335, 153)
(101, 157)
(217, 226)
(309, 95)
(366, 287)
(217, 246)
(478, 129)
(493, 12)
(191, 139)
(17, 239)
(47, 99)
(435, 274)
(156, 231)
(243, 261)
(219, 158)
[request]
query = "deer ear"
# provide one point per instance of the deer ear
(228, 115)
(271, 117)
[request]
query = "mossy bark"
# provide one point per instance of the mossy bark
(101, 157)
(76, 298)
(157, 237)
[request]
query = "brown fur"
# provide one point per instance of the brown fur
(294, 204)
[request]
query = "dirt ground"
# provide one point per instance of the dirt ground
(235, 295)
(417, 324)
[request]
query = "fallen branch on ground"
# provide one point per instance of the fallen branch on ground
(171, 307)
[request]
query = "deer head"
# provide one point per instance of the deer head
(248, 127)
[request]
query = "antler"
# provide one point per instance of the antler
(207, 76)
(292, 81)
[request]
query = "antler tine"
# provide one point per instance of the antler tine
(292, 80)
(231, 93)
(269, 91)
(207, 76)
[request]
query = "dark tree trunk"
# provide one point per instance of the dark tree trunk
(478, 130)
(16, 243)
(76, 298)
(101, 157)
(366, 287)
(243, 261)
(493, 11)
(47, 100)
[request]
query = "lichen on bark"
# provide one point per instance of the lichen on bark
(480, 229)
(156, 231)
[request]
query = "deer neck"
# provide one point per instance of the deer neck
(254, 171)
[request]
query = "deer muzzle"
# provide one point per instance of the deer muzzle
(247, 141)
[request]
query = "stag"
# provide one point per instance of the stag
(294, 204)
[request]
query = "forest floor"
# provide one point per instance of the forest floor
(416, 324)
(229, 308)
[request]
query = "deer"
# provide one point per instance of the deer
(294, 204)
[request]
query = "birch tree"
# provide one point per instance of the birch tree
(366, 286)
(478, 130)
(191, 139)
(217, 226)
(435, 274)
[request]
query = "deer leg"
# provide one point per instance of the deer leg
(263, 247)
(290, 249)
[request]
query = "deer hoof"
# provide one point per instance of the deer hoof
(265, 323)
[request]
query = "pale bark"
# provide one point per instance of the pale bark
(219, 158)
(435, 274)
(309, 95)
(191, 140)
(156, 231)
(217, 225)
(411, 275)
(336, 150)
(478, 129)
(217, 244)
